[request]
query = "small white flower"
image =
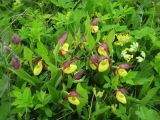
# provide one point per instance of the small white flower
(143, 54)
(133, 47)
(126, 56)
(124, 52)
(139, 59)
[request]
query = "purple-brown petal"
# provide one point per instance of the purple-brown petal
(74, 94)
(63, 38)
(105, 46)
(95, 21)
(124, 91)
(78, 75)
(126, 66)
(66, 64)
(94, 59)
(101, 58)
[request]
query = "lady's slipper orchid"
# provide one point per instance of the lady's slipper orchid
(103, 64)
(73, 98)
(64, 48)
(68, 67)
(103, 50)
(38, 68)
(94, 29)
(120, 97)
(122, 72)
(93, 62)
(72, 68)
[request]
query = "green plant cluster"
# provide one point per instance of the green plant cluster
(79, 59)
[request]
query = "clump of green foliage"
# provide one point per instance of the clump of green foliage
(79, 59)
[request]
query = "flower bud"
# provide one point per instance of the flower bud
(16, 62)
(63, 38)
(15, 39)
(103, 64)
(94, 29)
(38, 68)
(122, 72)
(120, 97)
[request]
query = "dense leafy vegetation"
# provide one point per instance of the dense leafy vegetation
(79, 59)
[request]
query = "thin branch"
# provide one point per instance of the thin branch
(90, 110)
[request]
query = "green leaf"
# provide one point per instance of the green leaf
(111, 37)
(3, 84)
(25, 76)
(90, 40)
(48, 112)
(42, 51)
(84, 100)
(100, 111)
(115, 82)
(149, 95)
(28, 56)
(145, 113)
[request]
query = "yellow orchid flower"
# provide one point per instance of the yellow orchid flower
(38, 68)
(120, 97)
(102, 51)
(64, 48)
(72, 68)
(94, 29)
(74, 100)
(122, 72)
(93, 66)
(103, 65)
